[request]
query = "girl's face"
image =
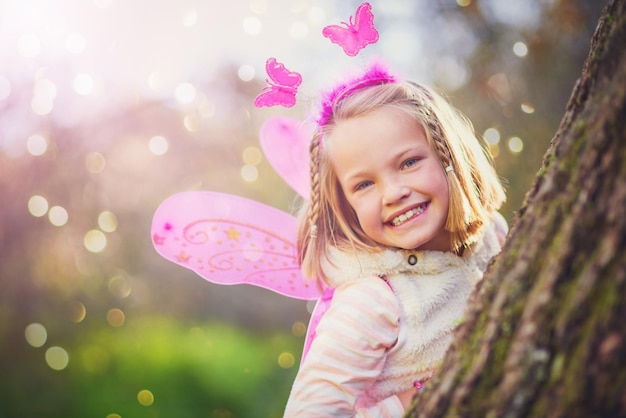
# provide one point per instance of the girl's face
(392, 179)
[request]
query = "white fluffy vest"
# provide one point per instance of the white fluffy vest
(432, 295)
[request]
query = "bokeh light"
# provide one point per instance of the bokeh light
(116, 317)
(37, 206)
(77, 311)
(57, 358)
(107, 221)
(36, 334)
(185, 93)
(298, 329)
(83, 84)
(249, 173)
(145, 397)
(119, 286)
(520, 49)
(58, 216)
(515, 144)
(41, 106)
(95, 241)
(44, 94)
(252, 25)
(158, 145)
(527, 108)
(252, 155)
(37, 144)
(95, 162)
(45, 89)
(246, 72)
(191, 123)
(492, 135)
(286, 360)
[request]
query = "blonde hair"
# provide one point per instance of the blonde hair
(475, 190)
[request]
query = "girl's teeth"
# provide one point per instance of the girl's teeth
(399, 220)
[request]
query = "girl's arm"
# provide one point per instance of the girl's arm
(348, 354)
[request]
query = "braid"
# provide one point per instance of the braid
(309, 243)
(314, 149)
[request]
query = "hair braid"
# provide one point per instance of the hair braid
(309, 243)
(314, 149)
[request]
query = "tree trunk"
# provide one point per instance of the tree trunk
(545, 335)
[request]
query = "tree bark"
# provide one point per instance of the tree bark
(544, 335)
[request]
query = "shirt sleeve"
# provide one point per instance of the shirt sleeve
(348, 354)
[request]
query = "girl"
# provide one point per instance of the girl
(401, 223)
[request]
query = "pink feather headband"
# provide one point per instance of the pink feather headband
(376, 74)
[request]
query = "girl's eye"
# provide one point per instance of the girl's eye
(410, 162)
(362, 185)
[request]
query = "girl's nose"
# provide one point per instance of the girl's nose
(394, 193)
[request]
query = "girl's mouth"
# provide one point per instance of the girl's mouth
(410, 214)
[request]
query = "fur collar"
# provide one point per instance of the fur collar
(346, 266)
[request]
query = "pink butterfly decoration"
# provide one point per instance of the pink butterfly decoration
(229, 240)
(282, 86)
(355, 35)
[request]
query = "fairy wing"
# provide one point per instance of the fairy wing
(222, 238)
(285, 143)
(214, 235)
(357, 34)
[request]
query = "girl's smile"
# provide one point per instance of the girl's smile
(408, 215)
(392, 178)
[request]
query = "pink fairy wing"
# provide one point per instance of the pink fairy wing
(228, 239)
(356, 35)
(285, 143)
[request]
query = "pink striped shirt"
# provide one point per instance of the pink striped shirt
(348, 355)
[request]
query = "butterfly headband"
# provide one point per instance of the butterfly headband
(352, 36)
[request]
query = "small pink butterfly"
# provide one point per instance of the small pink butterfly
(357, 34)
(282, 86)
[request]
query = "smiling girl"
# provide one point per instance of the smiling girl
(402, 223)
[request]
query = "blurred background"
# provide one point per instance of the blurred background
(107, 107)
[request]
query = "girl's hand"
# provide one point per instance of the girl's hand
(406, 397)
